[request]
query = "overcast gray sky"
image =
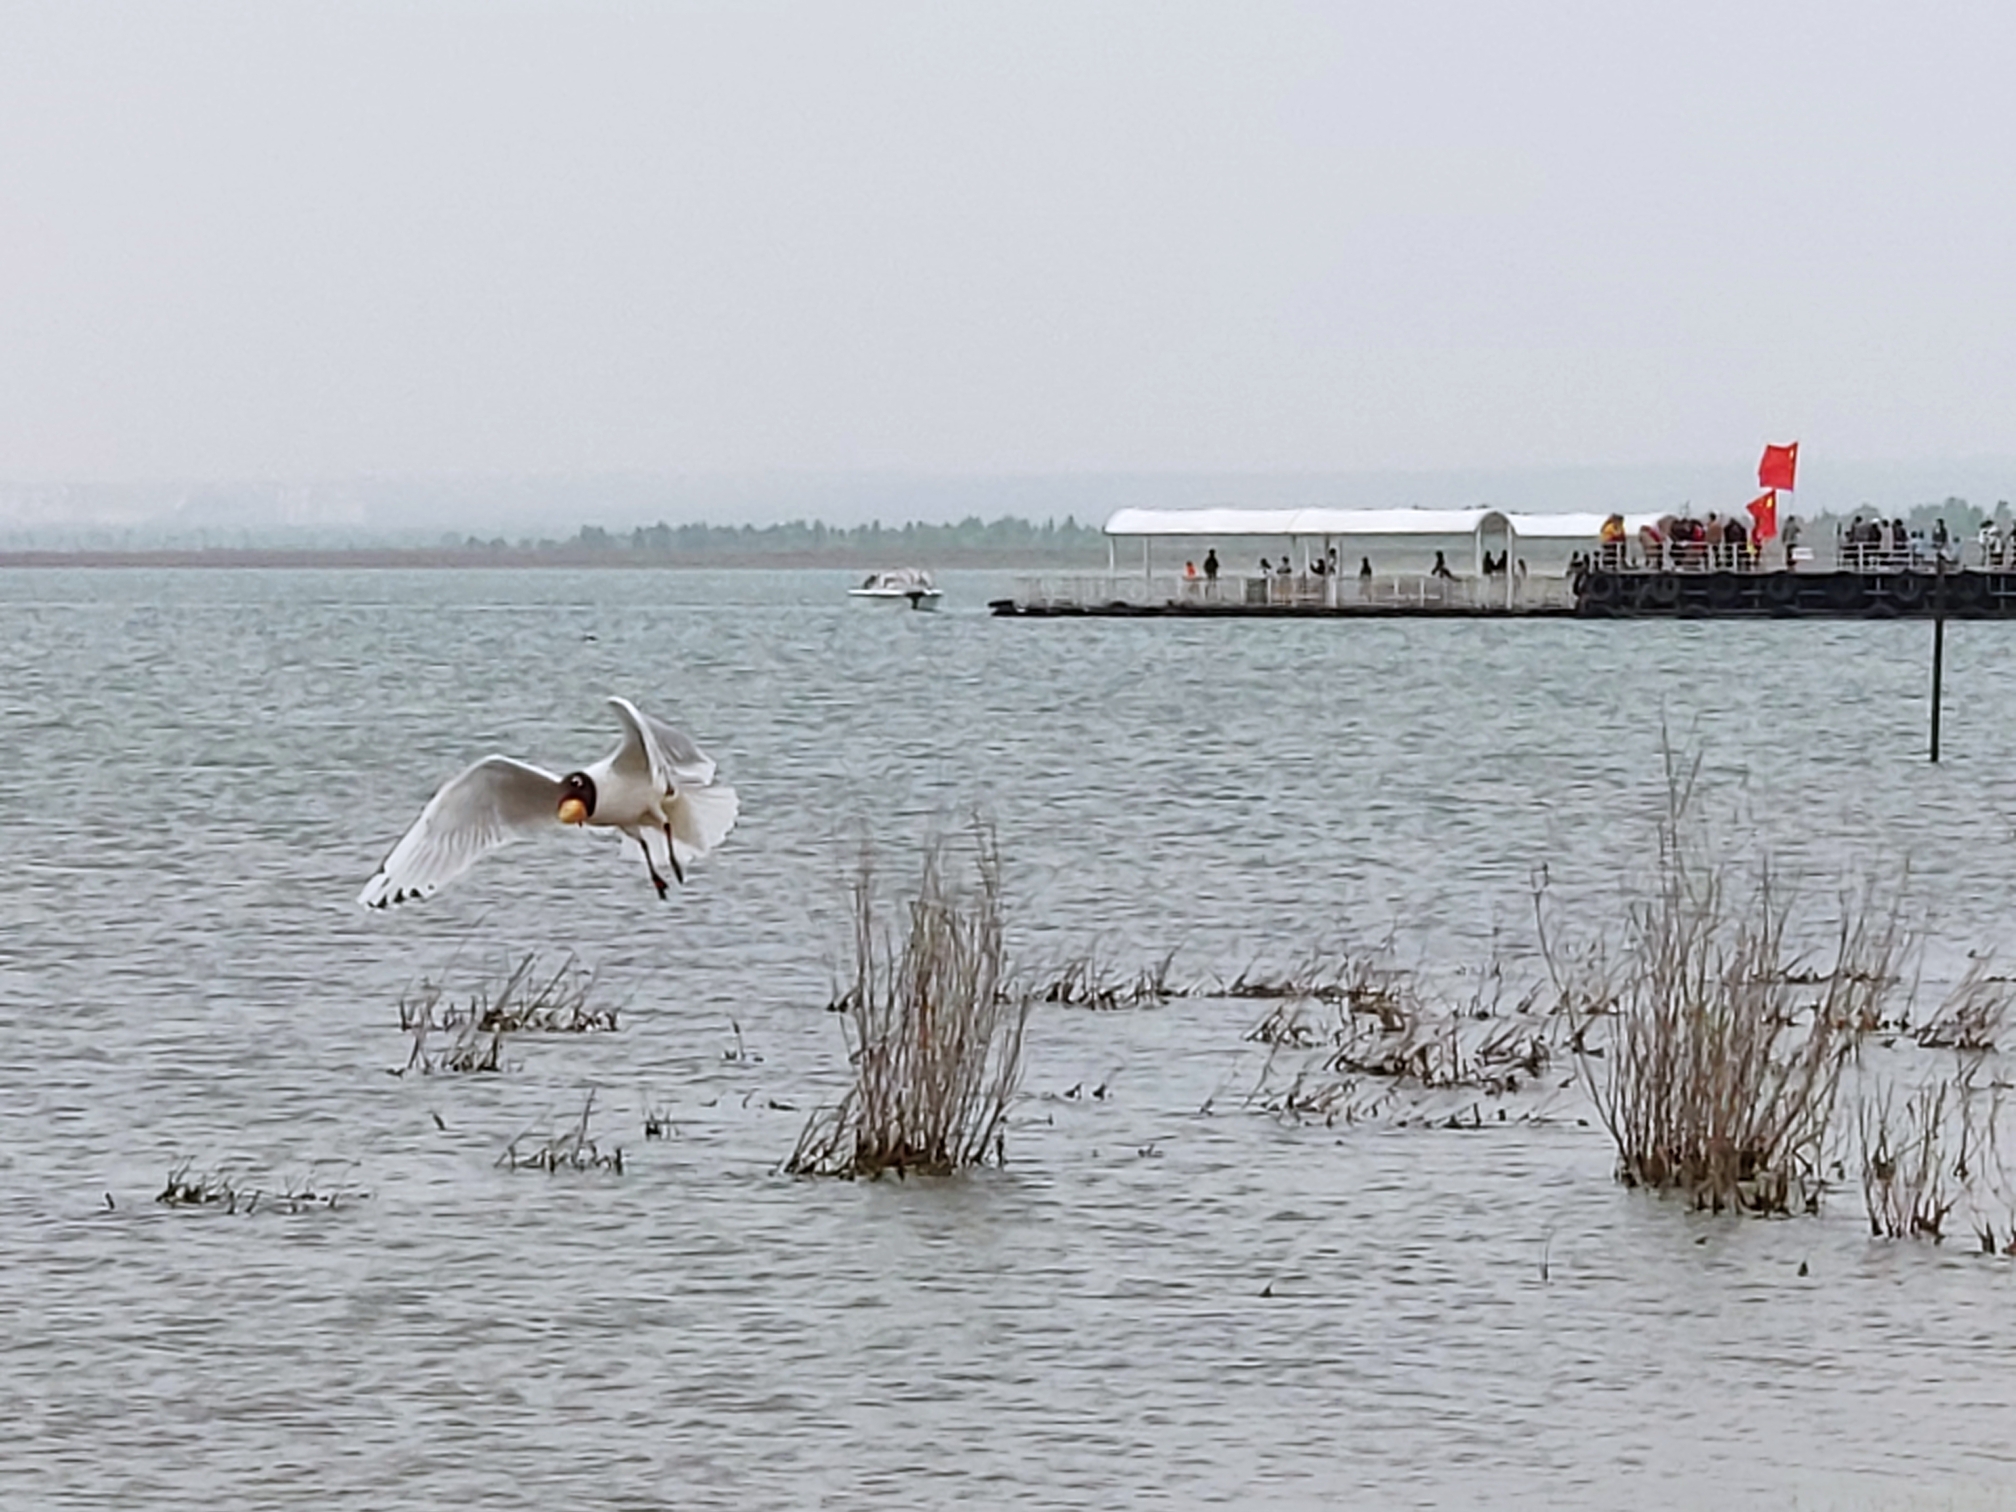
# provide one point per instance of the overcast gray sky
(296, 240)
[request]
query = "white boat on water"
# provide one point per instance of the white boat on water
(902, 585)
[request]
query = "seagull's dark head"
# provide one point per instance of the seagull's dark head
(577, 798)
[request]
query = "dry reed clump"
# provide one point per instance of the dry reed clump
(1289, 1026)
(1906, 1180)
(204, 1189)
(524, 998)
(1358, 984)
(568, 1149)
(461, 1047)
(1087, 982)
(1387, 1045)
(1937, 1158)
(1363, 981)
(1312, 1095)
(1719, 1080)
(934, 1028)
(217, 1189)
(1445, 1053)
(1971, 1017)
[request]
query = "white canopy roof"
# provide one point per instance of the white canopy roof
(1575, 527)
(1296, 522)
(1361, 522)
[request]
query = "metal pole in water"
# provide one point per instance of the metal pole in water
(1938, 648)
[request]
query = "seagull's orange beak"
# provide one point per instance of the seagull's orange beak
(573, 811)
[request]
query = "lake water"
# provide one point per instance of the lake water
(1166, 1298)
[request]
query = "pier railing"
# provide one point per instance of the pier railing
(1915, 555)
(1389, 591)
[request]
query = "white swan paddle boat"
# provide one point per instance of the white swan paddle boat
(901, 585)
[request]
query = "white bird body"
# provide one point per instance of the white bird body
(657, 787)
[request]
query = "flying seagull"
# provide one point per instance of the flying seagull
(657, 787)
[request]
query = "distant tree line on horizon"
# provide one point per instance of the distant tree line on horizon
(1962, 520)
(1008, 534)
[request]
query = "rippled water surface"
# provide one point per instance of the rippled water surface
(1167, 1298)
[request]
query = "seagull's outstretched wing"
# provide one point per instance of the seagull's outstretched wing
(652, 747)
(492, 803)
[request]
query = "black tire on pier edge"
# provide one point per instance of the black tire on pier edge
(1724, 590)
(1781, 593)
(1967, 592)
(1907, 590)
(1660, 592)
(1847, 592)
(1598, 591)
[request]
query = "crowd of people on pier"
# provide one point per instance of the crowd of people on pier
(1282, 579)
(1326, 564)
(1682, 543)
(1878, 545)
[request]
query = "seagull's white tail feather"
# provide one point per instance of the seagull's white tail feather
(701, 819)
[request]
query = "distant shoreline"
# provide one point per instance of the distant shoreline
(461, 558)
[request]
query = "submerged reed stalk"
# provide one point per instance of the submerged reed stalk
(934, 1031)
(1718, 1082)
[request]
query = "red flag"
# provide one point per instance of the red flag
(1779, 463)
(1764, 510)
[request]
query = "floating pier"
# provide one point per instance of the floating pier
(1489, 563)
(1631, 593)
(1844, 593)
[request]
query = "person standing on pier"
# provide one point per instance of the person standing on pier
(1652, 542)
(1211, 565)
(1613, 542)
